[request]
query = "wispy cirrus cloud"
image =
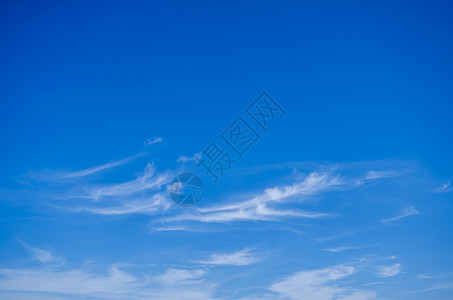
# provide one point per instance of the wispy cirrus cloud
(149, 205)
(116, 283)
(268, 205)
(341, 249)
(146, 194)
(407, 212)
(43, 256)
(113, 284)
(155, 140)
(389, 271)
(441, 286)
(181, 276)
(64, 176)
(184, 159)
(373, 175)
(75, 282)
(320, 285)
(445, 188)
(173, 283)
(263, 207)
(239, 258)
(148, 180)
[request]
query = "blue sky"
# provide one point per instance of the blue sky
(347, 196)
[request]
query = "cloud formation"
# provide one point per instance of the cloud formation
(445, 188)
(407, 212)
(389, 271)
(65, 176)
(185, 159)
(320, 285)
(263, 206)
(239, 258)
(41, 255)
(149, 141)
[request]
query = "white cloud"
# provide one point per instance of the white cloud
(265, 206)
(407, 212)
(183, 159)
(359, 295)
(240, 258)
(41, 255)
(181, 276)
(65, 176)
(153, 141)
(144, 195)
(262, 207)
(436, 287)
(320, 285)
(65, 282)
(428, 276)
(149, 180)
(389, 271)
(372, 175)
(47, 283)
(151, 205)
(445, 188)
(341, 249)
(380, 174)
(334, 237)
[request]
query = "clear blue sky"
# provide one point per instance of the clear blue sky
(348, 196)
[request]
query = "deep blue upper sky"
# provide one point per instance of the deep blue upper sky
(366, 85)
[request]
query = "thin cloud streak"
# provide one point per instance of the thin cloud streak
(389, 271)
(149, 142)
(185, 159)
(320, 285)
(154, 204)
(181, 276)
(261, 207)
(147, 181)
(240, 258)
(445, 188)
(115, 284)
(41, 255)
(407, 212)
(62, 176)
(143, 195)
(341, 249)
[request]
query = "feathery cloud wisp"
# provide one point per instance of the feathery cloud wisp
(262, 207)
(180, 276)
(41, 255)
(149, 142)
(183, 159)
(341, 249)
(389, 271)
(407, 212)
(115, 284)
(320, 285)
(240, 258)
(65, 176)
(445, 188)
